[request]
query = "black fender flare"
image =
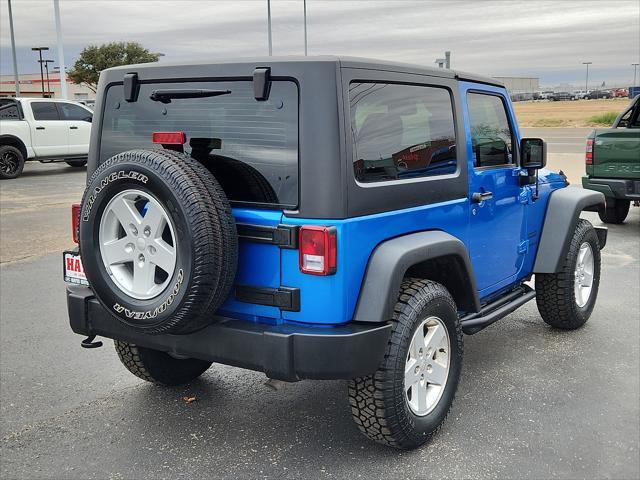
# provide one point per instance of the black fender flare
(392, 259)
(562, 214)
(8, 139)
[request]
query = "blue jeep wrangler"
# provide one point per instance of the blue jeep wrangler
(321, 218)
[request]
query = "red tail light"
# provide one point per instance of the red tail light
(169, 138)
(75, 221)
(588, 159)
(318, 250)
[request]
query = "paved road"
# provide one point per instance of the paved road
(533, 402)
(561, 140)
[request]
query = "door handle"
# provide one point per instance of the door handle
(73, 128)
(479, 197)
(39, 128)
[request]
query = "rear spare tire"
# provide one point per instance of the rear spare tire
(158, 241)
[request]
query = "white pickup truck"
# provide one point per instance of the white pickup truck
(43, 129)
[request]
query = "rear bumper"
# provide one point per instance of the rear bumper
(614, 187)
(285, 352)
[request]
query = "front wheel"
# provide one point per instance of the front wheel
(159, 367)
(408, 398)
(566, 299)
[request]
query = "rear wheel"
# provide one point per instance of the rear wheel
(159, 367)
(408, 398)
(614, 211)
(11, 162)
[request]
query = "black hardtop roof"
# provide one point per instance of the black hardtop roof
(341, 61)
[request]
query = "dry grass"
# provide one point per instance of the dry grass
(578, 113)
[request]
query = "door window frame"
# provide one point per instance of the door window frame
(515, 147)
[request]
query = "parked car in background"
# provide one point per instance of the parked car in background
(43, 129)
(561, 96)
(580, 94)
(546, 95)
(613, 164)
(595, 94)
(620, 93)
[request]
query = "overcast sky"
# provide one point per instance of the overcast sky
(547, 39)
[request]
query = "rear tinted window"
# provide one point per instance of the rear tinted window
(44, 111)
(250, 146)
(401, 131)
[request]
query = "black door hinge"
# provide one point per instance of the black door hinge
(285, 236)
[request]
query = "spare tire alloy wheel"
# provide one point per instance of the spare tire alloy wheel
(138, 244)
(158, 241)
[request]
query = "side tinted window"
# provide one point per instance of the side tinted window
(44, 111)
(491, 135)
(401, 131)
(69, 111)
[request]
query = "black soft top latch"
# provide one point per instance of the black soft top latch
(261, 83)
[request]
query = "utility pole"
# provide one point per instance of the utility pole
(39, 50)
(63, 75)
(46, 67)
(586, 84)
(305, 27)
(635, 66)
(13, 51)
(268, 26)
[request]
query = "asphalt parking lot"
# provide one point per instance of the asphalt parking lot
(533, 402)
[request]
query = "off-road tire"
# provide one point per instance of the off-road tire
(615, 211)
(11, 162)
(555, 294)
(207, 250)
(378, 402)
(159, 367)
(76, 163)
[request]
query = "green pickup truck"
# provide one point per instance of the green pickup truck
(613, 164)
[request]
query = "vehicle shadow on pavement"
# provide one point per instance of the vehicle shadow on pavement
(61, 169)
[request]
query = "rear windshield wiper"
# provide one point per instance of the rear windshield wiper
(166, 95)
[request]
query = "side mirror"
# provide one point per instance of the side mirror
(533, 153)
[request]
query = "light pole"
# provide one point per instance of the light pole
(305, 27)
(63, 75)
(39, 50)
(586, 83)
(269, 26)
(46, 67)
(635, 66)
(13, 51)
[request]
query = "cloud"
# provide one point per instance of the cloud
(549, 39)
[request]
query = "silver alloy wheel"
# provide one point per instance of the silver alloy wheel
(427, 367)
(583, 275)
(138, 244)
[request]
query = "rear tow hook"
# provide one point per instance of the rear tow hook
(89, 343)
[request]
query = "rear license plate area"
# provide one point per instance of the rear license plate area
(72, 269)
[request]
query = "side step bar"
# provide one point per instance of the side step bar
(497, 309)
